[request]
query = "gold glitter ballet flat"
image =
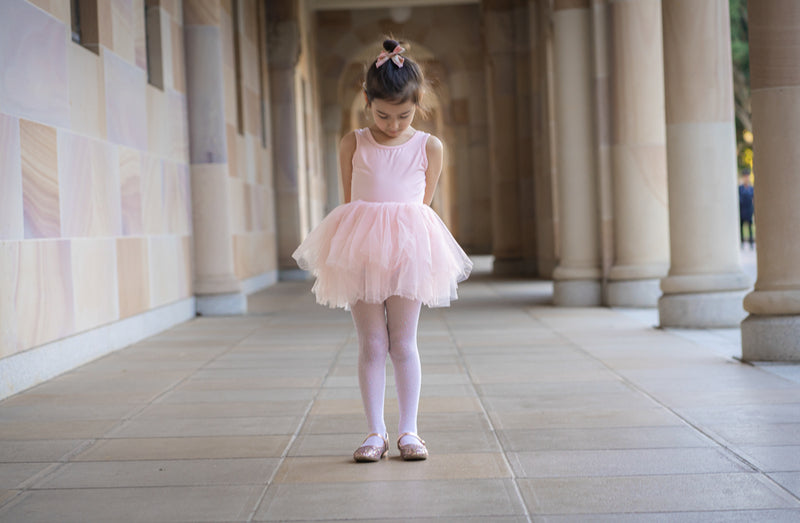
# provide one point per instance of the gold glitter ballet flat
(412, 451)
(370, 453)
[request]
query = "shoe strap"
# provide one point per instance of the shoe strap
(413, 435)
(385, 438)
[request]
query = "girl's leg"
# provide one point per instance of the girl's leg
(402, 316)
(373, 346)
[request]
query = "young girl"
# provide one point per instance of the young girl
(384, 252)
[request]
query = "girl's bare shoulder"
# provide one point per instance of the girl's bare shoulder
(348, 141)
(434, 145)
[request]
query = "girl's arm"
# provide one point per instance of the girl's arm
(347, 147)
(435, 152)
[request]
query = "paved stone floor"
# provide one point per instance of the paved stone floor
(531, 413)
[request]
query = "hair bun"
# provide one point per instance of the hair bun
(390, 44)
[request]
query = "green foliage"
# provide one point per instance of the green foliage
(740, 51)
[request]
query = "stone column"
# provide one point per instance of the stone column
(216, 285)
(638, 155)
(705, 285)
(577, 277)
(601, 22)
(772, 330)
(283, 48)
(498, 19)
(544, 206)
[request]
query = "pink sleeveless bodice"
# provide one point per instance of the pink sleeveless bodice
(385, 242)
(389, 173)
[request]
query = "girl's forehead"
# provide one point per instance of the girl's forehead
(392, 108)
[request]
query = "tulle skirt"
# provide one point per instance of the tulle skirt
(369, 251)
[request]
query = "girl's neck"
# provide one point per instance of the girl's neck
(384, 139)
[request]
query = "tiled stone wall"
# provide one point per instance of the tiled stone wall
(95, 207)
(249, 161)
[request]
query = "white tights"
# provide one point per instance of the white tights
(388, 328)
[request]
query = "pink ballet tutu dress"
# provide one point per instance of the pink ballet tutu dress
(386, 241)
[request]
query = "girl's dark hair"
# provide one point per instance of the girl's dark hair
(395, 84)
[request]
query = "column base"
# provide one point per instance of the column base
(577, 293)
(702, 310)
(771, 338)
(633, 293)
(233, 304)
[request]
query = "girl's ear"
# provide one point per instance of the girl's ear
(366, 98)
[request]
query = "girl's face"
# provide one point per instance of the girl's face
(392, 119)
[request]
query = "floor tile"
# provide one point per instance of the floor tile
(125, 449)
(121, 474)
(623, 462)
(438, 466)
(788, 480)
(188, 504)
(188, 427)
(602, 438)
(387, 499)
(38, 451)
(774, 459)
(38, 429)
(14, 475)
(709, 516)
(222, 409)
(584, 418)
(653, 494)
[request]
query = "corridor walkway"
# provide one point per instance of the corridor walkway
(531, 413)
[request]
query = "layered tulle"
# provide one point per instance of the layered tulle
(369, 251)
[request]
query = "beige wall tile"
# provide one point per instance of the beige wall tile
(123, 32)
(158, 126)
(133, 276)
(57, 8)
(94, 280)
(45, 312)
(126, 102)
(40, 181)
(229, 86)
(178, 125)
(252, 112)
(139, 35)
(89, 187)
(86, 92)
(153, 215)
(201, 12)
(166, 49)
(130, 168)
(34, 77)
(169, 259)
(187, 265)
(178, 67)
(254, 254)
(9, 265)
(232, 137)
(11, 217)
(105, 24)
(175, 9)
(176, 198)
(238, 211)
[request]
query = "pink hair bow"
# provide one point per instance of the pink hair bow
(394, 56)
